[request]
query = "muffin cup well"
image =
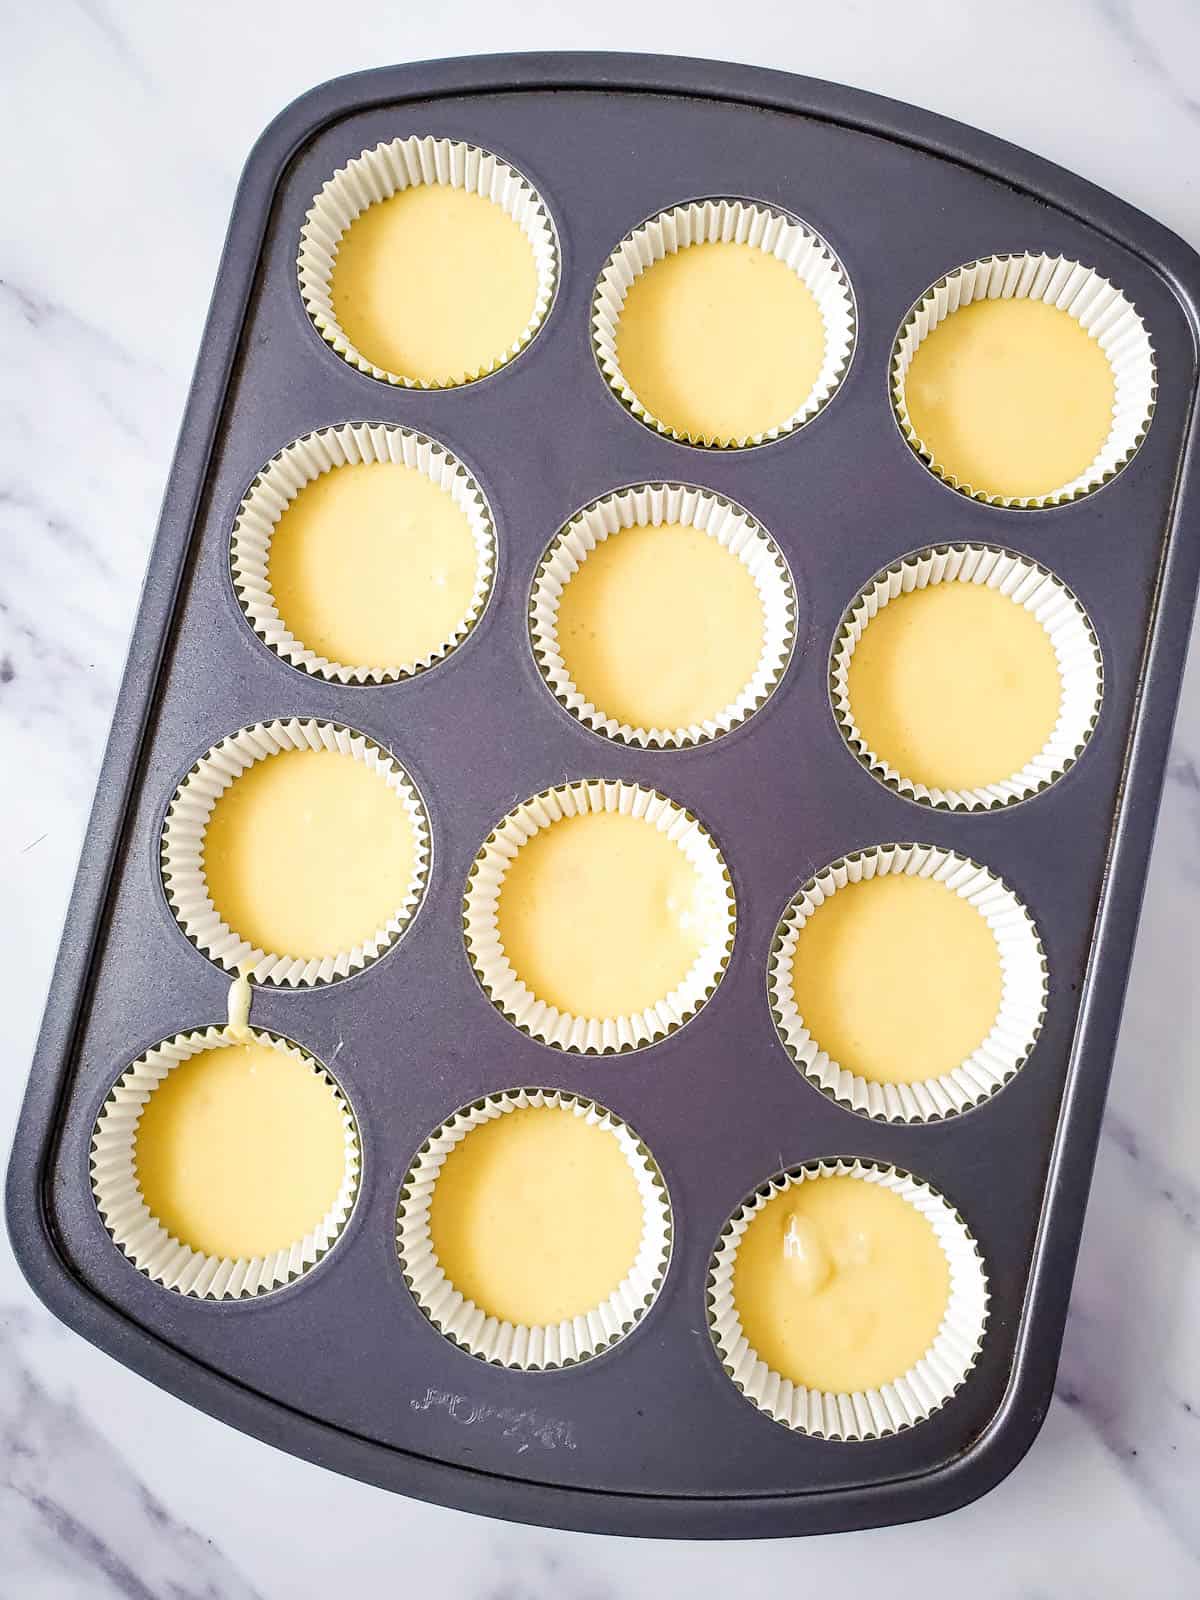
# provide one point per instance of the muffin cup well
(1100, 309)
(1022, 999)
(183, 845)
(741, 222)
(911, 1396)
(143, 1239)
(651, 505)
(1045, 597)
(500, 982)
(383, 171)
(301, 463)
(542, 1347)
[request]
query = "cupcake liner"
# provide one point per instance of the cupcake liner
(560, 1029)
(651, 505)
(1022, 997)
(869, 1413)
(539, 1348)
(302, 462)
(1099, 308)
(383, 171)
(137, 1232)
(1044, 596)
(183, 843)
(741, 222)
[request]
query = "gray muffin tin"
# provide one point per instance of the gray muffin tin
(342, 1367)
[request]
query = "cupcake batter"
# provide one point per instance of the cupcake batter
(240, 1151)
(840, 1284)
(308, 853)
(1011, 397)
(434, 284)
(372, 565)
(720, 341)
(602, 915)
(956, 685)
(536, 1217)
(660, 627)
(898, 978)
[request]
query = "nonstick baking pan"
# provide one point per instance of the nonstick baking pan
(341, 1367)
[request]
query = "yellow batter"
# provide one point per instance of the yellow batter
(898, 978)
(372, 565)
(840, 1285)
(308, 853)
(536, 1217)
(434, 284)
(1011, 397)
(240, 1151)
(720, 341)
(955, 685)
(660, 627)
(601, 915)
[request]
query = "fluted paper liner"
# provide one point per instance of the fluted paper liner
(383, 171)
(562, 1030)
(1100, 309)
(183, 845)
(1044, 596)
(305, 460)
(507, 1344)
(1022, 997)
(740, 222)
(863, 1413)
(651, 505)
(143, 1239)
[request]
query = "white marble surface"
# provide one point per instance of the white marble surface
(128, 124)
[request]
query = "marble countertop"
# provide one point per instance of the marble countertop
(131, 121)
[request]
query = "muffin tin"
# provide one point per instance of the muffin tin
(342, 1365)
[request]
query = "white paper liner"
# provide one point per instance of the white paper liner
(1100, 309)
(562, 1030)
(300, 463)
(143, 1239)
(741, 222)
(869, 1413)
(1022, 997)
(549, 1345)
(383, 171)
(1044, 596)
(651, 505)
(183, 843)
